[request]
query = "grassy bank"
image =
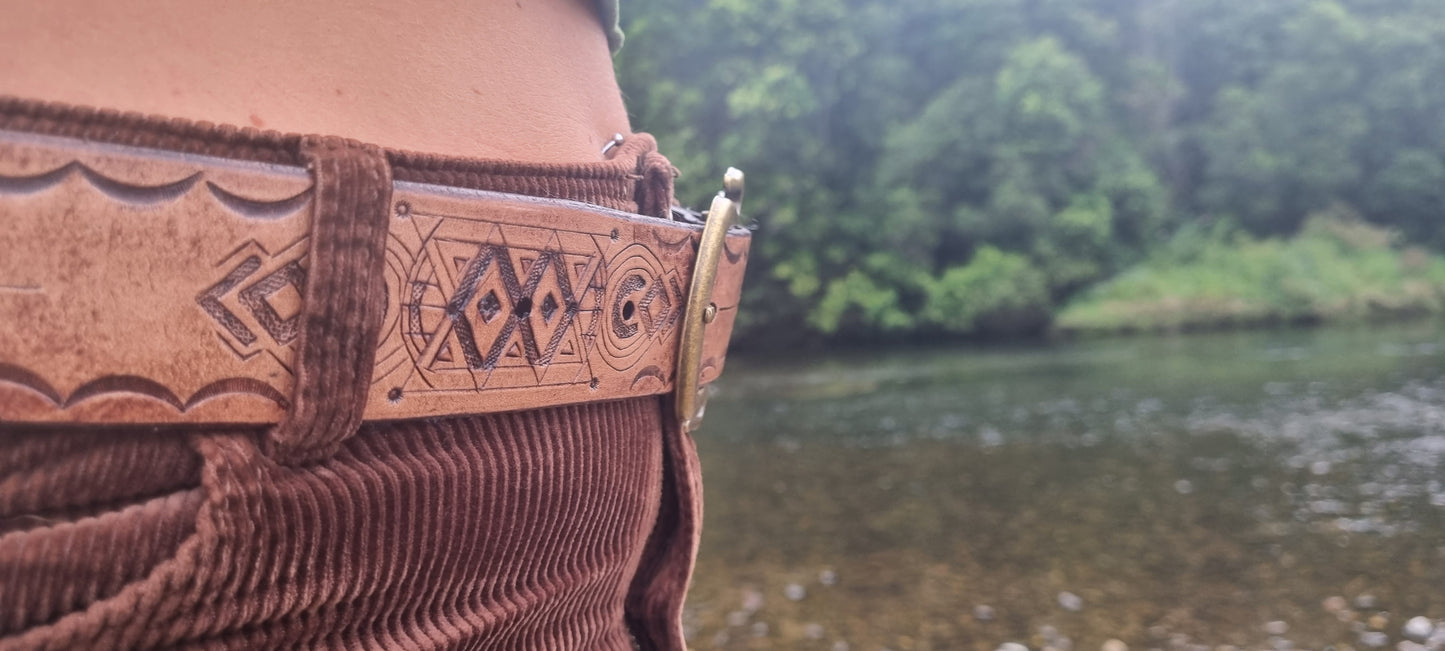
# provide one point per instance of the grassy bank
(1334, 270)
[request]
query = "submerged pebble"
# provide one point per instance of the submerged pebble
(1374, 639)
(1113, 645)
(795, 592)
(1011, 646)
(1276, 627)
(1418, 628)
(827, 577)
(983, 613)
(752, 600)
(1070, 601)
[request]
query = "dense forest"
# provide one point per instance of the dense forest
(981, 167)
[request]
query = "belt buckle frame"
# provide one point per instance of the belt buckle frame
(724, 213)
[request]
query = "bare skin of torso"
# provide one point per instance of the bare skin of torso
(524, 80)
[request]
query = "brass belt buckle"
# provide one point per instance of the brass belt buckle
(724, 213)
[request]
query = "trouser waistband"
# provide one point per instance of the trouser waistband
(223, 268)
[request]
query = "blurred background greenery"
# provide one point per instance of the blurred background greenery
(943, 171)
(976, 168)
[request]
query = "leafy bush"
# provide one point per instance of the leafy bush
(994, 293)
(1335, 269)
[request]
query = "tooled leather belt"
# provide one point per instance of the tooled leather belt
(154, 284)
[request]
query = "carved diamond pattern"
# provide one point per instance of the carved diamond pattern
(489, 306)
(504, 313)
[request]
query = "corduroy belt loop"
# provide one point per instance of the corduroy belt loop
(655, 187)
(343, 309)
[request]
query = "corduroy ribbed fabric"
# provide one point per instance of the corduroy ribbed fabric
(519, 530)
(571, 527)
(635, 178)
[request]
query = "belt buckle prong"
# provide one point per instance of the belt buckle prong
(725, 213)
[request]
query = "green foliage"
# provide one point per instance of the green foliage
(1335, 269)
(966, 166)
(995, 292)
(870, 298)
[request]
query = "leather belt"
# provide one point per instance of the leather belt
(150, 286)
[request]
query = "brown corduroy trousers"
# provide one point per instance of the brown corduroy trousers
(571, 527)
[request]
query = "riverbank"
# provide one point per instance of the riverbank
(1332, 271)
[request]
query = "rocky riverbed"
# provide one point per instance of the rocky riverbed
(1251, 491)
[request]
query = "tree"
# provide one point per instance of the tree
(889, 146)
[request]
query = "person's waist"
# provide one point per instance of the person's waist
(161, 270)
(526, 82)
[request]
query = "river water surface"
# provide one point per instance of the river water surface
(1269, 490)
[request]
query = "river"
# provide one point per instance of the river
(1272, 490)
